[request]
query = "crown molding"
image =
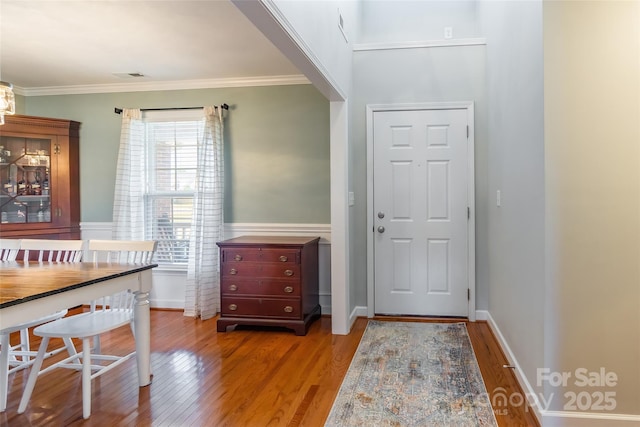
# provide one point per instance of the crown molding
(165, 85)
(420, 44)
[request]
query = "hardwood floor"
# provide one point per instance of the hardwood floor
(241, 378)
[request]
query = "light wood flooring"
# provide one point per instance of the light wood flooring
(242, 378)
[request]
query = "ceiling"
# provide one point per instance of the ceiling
(57, 44)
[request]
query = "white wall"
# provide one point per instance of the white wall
(316, 24)
(410, 75)
(563, 249)
(564, 97)
(592, 144)
(516, 168)
(307, 33)
(410, 20)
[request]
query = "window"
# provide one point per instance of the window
(171, 145)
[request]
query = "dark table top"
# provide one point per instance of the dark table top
(21, 282)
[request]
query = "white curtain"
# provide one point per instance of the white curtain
(128, 203)
(202, 297)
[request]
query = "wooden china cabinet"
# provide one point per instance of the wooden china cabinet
(39, 178)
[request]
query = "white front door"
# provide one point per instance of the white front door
(420, 209)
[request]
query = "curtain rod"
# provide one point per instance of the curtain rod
(119, 110)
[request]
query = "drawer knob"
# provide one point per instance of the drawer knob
(233, 271)
(233, 288)
(238, 257)
(288, 289)
(288, 272)
(288, 309)
(233, 307)
(283, 258)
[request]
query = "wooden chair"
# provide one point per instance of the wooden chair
(20, 356)
(104, 316)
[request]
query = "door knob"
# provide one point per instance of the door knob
(381, 229)
(380, 215)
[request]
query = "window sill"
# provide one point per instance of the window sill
(171, 269)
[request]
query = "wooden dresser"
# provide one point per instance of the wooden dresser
(269, 281)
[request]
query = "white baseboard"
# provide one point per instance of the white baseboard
(556, 418)
(167, 304)
(525, 385)
(358, 311)
(482, 315)
(325, 303)
(588, 419)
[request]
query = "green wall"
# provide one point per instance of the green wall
(276, 148)
(20, 100)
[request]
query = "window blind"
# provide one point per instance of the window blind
(171, 164)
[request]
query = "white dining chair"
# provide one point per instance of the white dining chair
(9, 249)
(105, 315)
(52, 250)
(8, 252)
(19, 356)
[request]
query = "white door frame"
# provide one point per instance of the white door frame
(471, 224)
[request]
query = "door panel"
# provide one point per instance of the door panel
(420, 190)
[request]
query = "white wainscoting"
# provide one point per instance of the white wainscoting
(169, 285)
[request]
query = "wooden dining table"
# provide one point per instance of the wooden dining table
(29, 290)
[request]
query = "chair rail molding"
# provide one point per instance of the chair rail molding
(169, 284)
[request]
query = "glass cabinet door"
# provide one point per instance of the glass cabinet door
(25, 169)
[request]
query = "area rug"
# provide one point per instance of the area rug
(409, 374)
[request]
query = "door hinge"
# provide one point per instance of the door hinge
(468, 212)
(467, 131)
(468, 294)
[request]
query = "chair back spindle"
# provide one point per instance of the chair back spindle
(52, 250)
(9, 249)
(123, 251)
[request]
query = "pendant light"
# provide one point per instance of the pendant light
(7, 100)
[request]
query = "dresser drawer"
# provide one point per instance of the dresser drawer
(267, 287)
(255, 269)
(261, 255)
(260, 307)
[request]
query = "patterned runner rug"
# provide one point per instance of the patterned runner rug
(408, 374)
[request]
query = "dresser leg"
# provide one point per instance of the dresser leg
(222, 326)
(311, 317)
